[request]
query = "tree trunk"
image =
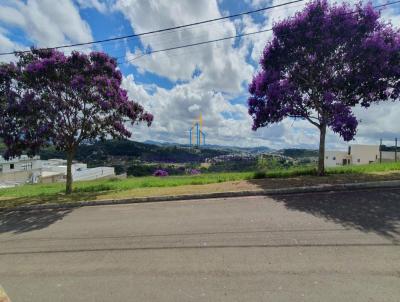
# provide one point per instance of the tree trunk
(68, 187)
(321, 156)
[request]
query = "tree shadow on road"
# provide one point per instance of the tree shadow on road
(26, 221)
(369, 211)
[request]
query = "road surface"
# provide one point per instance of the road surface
(307, 247)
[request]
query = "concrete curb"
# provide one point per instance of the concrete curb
(281, 191)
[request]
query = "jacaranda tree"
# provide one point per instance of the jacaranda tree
(49, 98)
(321, 63)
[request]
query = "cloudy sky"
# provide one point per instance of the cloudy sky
(178, 85)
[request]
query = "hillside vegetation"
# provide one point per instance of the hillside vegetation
(104, 150)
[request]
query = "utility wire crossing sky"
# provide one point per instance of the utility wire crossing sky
(180, 58)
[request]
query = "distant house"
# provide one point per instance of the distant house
(18, 164)
(80, 171)
(26, 169)
(357, 155)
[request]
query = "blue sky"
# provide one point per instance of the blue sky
(177, 86)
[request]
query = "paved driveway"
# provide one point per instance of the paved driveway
(309, 247)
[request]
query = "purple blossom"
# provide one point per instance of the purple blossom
(194, 172)
(160, 173)
(78, 82)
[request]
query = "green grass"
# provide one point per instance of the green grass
(362, 169)
(123, 184)
(311, 170)
(291, 172)
(85, 190)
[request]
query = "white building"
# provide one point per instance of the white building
(337, 158)
(356, 155)
(364, 154)
(22, 163)
(80, 171)
(26, 169)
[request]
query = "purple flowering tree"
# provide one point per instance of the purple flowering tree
(321, 63)
(50, 98)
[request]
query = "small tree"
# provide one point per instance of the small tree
(51, 98)
(320, 64)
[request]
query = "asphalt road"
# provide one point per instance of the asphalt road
(309, 247)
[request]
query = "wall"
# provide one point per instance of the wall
(25, 167)
(94, 173)
(52, 178)
(20, 165)
(389, 156)
(364, 154)
(59, 169)
(14, 178)
(63, 168)
(335, 158)
(81, 172)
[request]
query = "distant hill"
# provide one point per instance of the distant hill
(261, 149)
(131, 150)
(153, 151)
(297, 153)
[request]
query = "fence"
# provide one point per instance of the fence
(93, 173)
(389, 153)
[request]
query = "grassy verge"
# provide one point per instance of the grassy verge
(38, 190)
(362, 169)
(151, 186)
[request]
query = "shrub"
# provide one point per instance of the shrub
(194, 172)
(119, 169)
(259, 175)
(160, 173)
(140, 170)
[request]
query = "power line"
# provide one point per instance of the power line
(159, 30)
(226, 38)
(163, 37)
(187, 36)
(199, 43)
(157, 37)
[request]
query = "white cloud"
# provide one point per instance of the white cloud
(258, 41)
(46, 24)
(101, 6)
(379, 121)
(222, 66)
(392, 14)
(194, 107)
(212, 73)
(175, 110)
(6, 45)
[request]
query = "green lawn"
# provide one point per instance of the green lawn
(122, 184)
(311, 170)
(41, 193)
(371, 168)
